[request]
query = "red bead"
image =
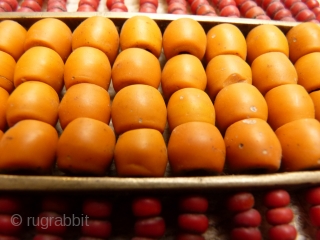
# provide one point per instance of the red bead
(186, 236)
(13, 4)
(96, 228)
(240, 202)
(6, 6)
(305, 15)
(148, 8)
(230, 11)
(312, 4)
(53, 203)
(85, 8)
(314, 214)
(93, 3)
(32, 5)
(282, 13)
(316, 11)
(96, 208)
(313, 196)
(205, 10)
(150, 227)
(276, 198)
(297, 7)
(265, 3)
(246, 6)
(240, 2)
(224, 3)
(146, 207)
(194, 223)
(153, 2)
(109, 3)
(281, 232)
(46, 237)
(193, 204)
(278, 216)
(10, 205)
(178, 11)
(273, 8)
(289, 3)
(120, 5)
(196, 4)
(245, 233)
(249, 218)
(176, 6)
(50, 223)
(10, 224)
(254, 12)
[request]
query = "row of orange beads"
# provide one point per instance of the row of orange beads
(289, 105)
(138, 109)
(139, 117)
(32, 108)
(241, 110)
(195, 145)
(86, 144)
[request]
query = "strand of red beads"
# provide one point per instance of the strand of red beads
(148, 6)
(276, 10)
(148, 223)
(30, 6)
(49, 224)
(279, 215)
(116, 6)
(57, 6)
(202, 7)
(227, 8)
(300, 10)
(192, 220)
(250, 9)
(177, 6)
(88, 5)
(312, 197)
(246, 219)
(314, 6)
(10, 217)
(96, 222)
(8, 5)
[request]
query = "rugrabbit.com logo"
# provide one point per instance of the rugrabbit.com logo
(47, 221)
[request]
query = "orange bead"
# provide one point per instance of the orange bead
(141, 32)
(52, 33)
(99, 32)
(144, 158)
(138, 106)
(252, 146)
(135, 66)
(33, 100)
(86, 147)
(196, 148)
(84, 100)
(224, 70)
(287, 103)
(87, 65)
(237, 102)
(182, 71)
(184, 35)
(13, 35)
(190, 105)
(29, 147)
(300, 142)
(40, 64)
